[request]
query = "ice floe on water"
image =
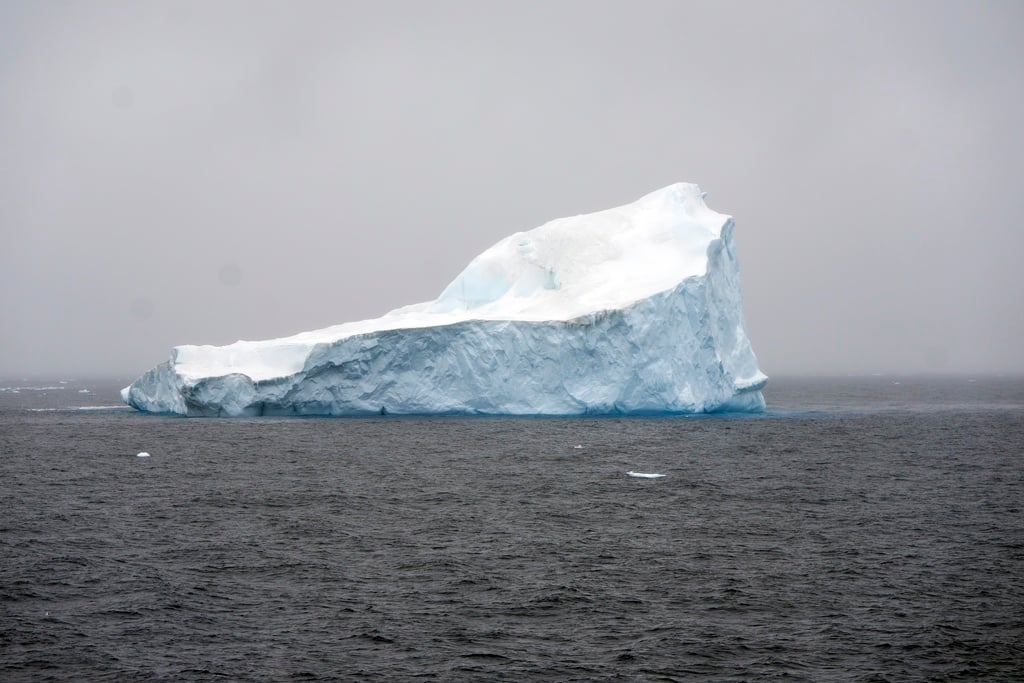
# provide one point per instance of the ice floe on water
(72, 409)
(142, 454)
(17, 390)
(644, 475)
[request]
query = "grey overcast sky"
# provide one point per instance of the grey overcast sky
(201, 172)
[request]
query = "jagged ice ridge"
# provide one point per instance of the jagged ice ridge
(632, 310)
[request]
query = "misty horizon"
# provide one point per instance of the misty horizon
(180, 173)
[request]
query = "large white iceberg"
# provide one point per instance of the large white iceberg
(633, 310)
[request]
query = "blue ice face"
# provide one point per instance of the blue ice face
(599, 345)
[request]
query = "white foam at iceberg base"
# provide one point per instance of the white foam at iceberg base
(633, 310)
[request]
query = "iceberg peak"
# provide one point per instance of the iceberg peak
(635, 309)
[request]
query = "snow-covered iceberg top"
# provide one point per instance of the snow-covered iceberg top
(561, 270)
(553, 276)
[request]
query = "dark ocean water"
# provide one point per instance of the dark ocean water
(861, 530)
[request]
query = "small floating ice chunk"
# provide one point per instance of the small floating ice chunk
(645, 475)
(83, 391)
(143, 454)
(579, 445)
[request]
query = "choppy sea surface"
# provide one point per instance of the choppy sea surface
(863, 529)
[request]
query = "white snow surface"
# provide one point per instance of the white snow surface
(635, 309)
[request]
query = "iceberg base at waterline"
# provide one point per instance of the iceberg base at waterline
(634, 311)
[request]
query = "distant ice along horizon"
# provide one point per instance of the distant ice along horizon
(632, 310)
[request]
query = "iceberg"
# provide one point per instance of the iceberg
(635, 310)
